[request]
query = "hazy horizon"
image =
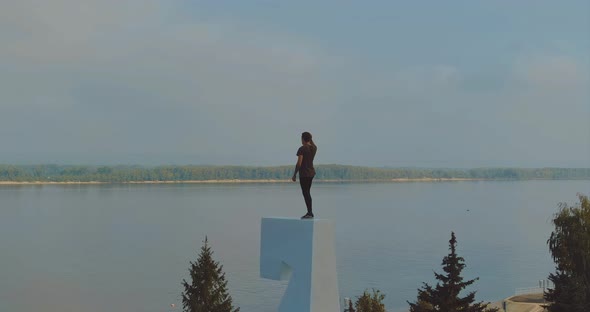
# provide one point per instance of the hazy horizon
(455, 84)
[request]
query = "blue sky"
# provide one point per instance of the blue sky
(378, 83)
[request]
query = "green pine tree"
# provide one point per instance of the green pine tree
(570, 248)
(444, 297)
(207, 291)
(370, 302)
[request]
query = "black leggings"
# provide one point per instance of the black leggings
(305, 183)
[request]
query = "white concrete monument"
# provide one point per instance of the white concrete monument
(302, 250)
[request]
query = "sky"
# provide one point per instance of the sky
(452, 83)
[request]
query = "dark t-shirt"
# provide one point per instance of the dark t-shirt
(306, 170)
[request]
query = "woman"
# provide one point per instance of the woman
(304, 166)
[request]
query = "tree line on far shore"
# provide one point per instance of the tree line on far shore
(120, 174)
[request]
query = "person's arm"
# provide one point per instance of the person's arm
(297, 166)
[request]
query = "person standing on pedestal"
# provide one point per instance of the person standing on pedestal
(305, 156)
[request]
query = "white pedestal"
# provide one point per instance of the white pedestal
(302, 250)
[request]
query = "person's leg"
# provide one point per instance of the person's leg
(305, 189)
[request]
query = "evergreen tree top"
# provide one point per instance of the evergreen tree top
(207, 291)
(445, 296)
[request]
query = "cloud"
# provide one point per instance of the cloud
(150, 82)
(40, 33)
(552, 72)
(536, 108)
(129, 73)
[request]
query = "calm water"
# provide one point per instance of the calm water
(128, 247)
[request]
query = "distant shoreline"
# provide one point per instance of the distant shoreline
(232, 181)
(254, 181)
(67, 175)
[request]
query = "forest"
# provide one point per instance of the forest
(121, 174)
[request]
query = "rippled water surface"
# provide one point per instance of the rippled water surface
(128, 247)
